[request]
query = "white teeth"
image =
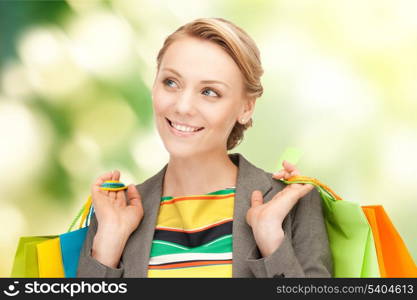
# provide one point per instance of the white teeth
(183, 128)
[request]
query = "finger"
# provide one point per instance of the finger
(133, 196)
(289, 189)
(284, 200)
(256, 198)
(282, 174)
(300, 190)
(278, 175)
(290, 168)
(289, 196)
(305, 189)
(249, 216)
(295, 172)
(287, 175)
(99, 181)
(121, 198)
(294, 186)
(115, 176)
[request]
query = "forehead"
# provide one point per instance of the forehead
(200, 59)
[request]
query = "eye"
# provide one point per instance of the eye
(211, 93)
(169, 82)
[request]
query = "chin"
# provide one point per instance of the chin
(181, 152)
(178, 149)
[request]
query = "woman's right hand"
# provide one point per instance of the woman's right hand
(116, 218)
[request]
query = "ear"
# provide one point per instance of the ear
(248, 109)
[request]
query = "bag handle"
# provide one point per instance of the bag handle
(87, 209)
(313, 181)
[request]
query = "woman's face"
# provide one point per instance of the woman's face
(197, 97)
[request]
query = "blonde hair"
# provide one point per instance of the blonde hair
(239, 45)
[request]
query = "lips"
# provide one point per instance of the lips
(190, 132)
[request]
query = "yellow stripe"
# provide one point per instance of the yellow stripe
(193, 214)
(216, 271)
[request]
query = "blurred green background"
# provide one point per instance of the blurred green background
(340, 84)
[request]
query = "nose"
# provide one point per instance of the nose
(184, 104)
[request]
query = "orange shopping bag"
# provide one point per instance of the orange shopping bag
(394, 260)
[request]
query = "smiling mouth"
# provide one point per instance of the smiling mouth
(179, 130)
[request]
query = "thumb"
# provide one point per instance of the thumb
(133, 196)
(257, 198)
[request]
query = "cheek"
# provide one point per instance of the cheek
(160, 101)
(222, 118)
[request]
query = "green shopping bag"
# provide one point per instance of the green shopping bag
(26, 259)
(350, 235)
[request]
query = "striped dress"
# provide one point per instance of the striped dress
(193, 236)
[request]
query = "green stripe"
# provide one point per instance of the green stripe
(170, 245)
(219, 192)
(221, 245)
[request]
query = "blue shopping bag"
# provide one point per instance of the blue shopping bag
(71, 244)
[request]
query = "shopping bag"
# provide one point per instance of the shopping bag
(42, 256)
(350, 235)
(71, 245)
(53, 256)
(394, 259)
(49, 258)
(72, 242)
(57, 255)
(25, 262)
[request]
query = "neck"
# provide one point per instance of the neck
(199, 174)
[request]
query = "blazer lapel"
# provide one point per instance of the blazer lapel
(137, 252)
(249, 178)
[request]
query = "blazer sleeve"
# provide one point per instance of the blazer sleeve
(304, 251)
(88, 266)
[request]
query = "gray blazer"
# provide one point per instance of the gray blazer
(304, 251)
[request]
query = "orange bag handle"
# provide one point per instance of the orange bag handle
(314, 181)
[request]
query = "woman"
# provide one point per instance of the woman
(207, 213)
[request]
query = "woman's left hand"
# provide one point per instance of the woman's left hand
(266, 218)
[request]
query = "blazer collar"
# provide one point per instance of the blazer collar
(249, 178)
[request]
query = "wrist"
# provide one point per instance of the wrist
(108, 247)
(274, 242)
(109, 229)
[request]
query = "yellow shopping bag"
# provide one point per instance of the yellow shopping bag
(50, 259)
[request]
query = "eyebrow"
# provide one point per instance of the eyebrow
(203, 81)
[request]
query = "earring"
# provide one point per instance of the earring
(242, 121)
